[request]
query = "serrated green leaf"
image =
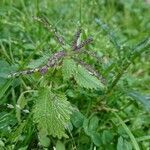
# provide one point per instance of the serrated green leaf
(68, 68)
(84, 79)
(52, 113)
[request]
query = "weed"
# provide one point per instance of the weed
(89, 92)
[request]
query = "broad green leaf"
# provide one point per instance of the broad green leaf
(52, 113)
(123, 144)
(107, 137)
(84, 79)
(120, 143)
(44, 140)
(60, 145)
(77, 119)
(68, 68)
(93, 124)
(96, 138)
(86, 126)
(90, 125)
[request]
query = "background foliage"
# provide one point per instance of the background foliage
(68, 108)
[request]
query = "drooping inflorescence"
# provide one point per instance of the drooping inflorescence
(76, 37)
(85, 42)
(75, 46)
(51, 29)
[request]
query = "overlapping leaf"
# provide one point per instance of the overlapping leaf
(68, 68)
(52, 113)
(84, 79)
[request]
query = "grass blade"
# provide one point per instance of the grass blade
(133, 140)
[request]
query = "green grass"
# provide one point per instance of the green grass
(68, 108)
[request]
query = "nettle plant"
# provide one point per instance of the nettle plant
(52, 111)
